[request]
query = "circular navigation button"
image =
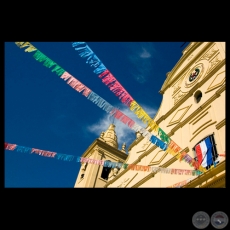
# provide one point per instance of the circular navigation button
(201, 220)
(219, 220)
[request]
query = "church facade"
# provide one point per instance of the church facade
(192, 114)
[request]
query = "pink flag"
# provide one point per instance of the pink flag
(104, 73)
(86, 91)
(37, 151)
(11, 146)
(108, 79)
(118, 114)
(125, 119)
(73, 82)
(79, 87)
(66, 76)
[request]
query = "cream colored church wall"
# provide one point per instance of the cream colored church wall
(221, 136)
(100, 183)
(154, 158)
(91, 173)
(137, 150)
(120, 182)
(94, 171)
(220, 139)
(222, 46)
(163, 180)
(172, 178)
(159, 159)
(175, 178)
(202, 125)
(152, 182)
(131, 174)
(166, 104)
(166, 179)
(106, 156)
(219, 107)
(149, 160)
(185, 133)
(80, 182)
(159, 112)
(140, 150)
(83, 182)
(196, 121)
(213, 112)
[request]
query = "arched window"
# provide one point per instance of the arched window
(206, 153)
(105, 172)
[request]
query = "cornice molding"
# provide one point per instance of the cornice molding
(218, 181)
(143, 180)
(220, 124)
(203, 128)
(207, 175)
(99, 146)
(130, 180)
(195, 119)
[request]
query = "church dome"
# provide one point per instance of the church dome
(110, 136)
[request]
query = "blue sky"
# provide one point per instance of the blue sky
(43, 112)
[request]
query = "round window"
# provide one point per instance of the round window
(197, 96)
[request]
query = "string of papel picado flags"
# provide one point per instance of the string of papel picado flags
(172, 147)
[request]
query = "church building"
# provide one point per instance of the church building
(192, 114)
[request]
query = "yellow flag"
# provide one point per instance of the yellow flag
(19, 43)
(31, 48)
(25, 44)
(133, 105)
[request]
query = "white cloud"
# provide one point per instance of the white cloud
(140, 55)
(124, 133)
(145, 53)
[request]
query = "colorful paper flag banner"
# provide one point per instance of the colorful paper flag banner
(113, 84)
(40, 152)
(65, 157)
(172, 148)
(96, 99)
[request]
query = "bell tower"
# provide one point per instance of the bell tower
(104, 148)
